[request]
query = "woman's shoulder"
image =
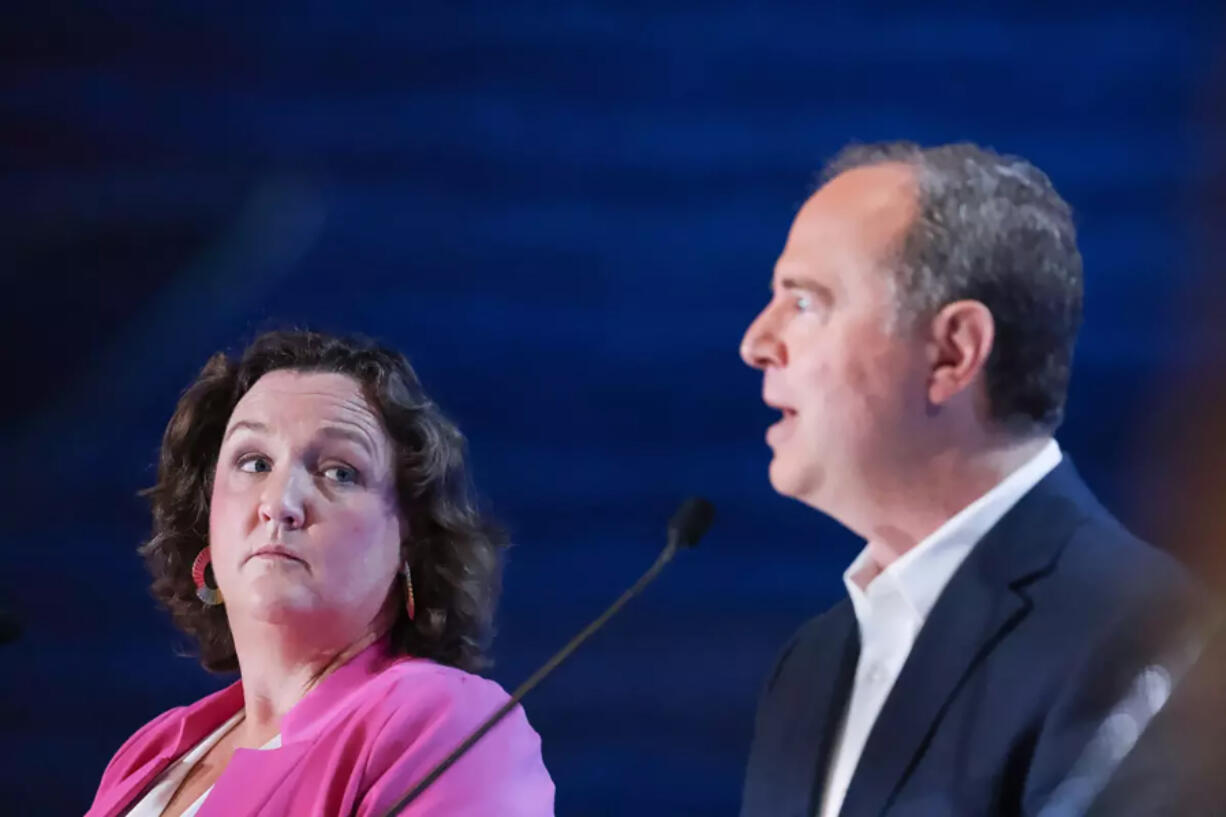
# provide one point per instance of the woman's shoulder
(420, 711)
(145, 738)
(417, 702)
(174, 725)
(146, 744)
(420, 684)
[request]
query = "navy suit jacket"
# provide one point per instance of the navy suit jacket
(1034, 638)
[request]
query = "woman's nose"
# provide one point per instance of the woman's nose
(284, 501)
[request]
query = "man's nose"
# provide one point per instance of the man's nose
(761, 346)
(283, 501)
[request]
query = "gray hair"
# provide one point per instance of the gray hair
(993, 229)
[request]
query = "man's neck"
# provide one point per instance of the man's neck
(950, 480)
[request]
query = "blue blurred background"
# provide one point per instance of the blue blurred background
(565, 214)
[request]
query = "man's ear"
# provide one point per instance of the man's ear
(960, 340)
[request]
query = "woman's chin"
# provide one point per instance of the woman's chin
(276, 603)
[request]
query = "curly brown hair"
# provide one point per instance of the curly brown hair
(454, 553)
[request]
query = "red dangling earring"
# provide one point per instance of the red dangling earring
(410, 606)
(211, 596)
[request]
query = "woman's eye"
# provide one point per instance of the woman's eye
(341, 473)
(254, 465)
(803, 302)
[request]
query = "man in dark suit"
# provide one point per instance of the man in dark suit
(918, 345)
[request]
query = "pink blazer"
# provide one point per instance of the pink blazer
(353, 746)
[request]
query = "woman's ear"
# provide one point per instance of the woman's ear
(960, 342)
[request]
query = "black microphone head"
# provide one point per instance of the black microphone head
(691, 522)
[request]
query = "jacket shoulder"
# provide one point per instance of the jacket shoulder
(141, 747)
(418, 706)
(418, 711)
(424, 684)
(1111, 569)
(812, 636)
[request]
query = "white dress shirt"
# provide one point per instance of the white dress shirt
(892, 606)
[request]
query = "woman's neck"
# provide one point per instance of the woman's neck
(277, 675)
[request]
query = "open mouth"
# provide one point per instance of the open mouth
(782, 428)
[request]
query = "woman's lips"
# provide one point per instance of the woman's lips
(277, 553)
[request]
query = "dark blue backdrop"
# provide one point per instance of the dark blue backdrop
(566, 215)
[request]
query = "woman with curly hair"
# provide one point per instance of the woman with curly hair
(312, 529)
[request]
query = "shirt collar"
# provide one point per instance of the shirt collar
(920, 574)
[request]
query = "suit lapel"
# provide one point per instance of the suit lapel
(799, 715)
(120, 797)
(982, 603)
(949, 646)
(169, 742)
(830, 705)
(251, 778)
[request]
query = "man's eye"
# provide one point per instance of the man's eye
(254, 465)
(803, 302)
(341, 473)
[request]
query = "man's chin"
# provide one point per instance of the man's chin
(799, 483)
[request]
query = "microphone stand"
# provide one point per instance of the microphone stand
(665, 556)
(686, 527)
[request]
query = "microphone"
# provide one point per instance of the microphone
(689, 523)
